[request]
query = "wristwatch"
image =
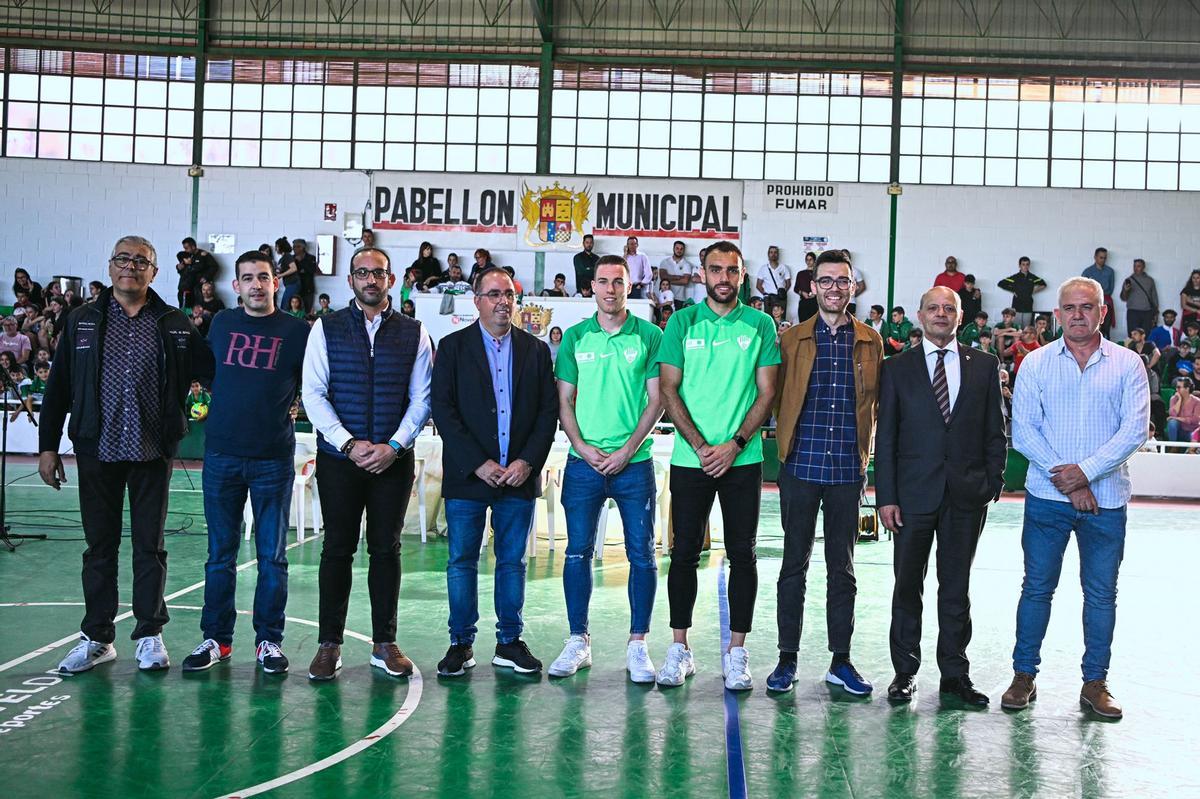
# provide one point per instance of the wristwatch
(348, 446)
(741, 442)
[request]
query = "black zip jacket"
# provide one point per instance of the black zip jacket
(74, 385)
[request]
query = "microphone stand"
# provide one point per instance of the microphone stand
(6, 537)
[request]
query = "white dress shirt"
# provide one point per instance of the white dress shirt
(1095, 417)
(953, 367)
(639, 269)
(316, 388)
(773, 278)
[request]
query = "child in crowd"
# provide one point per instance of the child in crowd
(323, 308)
(972, 299)
(1005, 333)
(914, 339)
(975, 328)
(664, 296)
(32, 391)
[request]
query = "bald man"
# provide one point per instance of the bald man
(940, 450)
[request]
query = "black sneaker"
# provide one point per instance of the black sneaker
(207, 655)
(515, 655)
(271, 658)
(459, 658)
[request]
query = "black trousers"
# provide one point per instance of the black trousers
(957, 532)
(1142, 319)
(799, 501)
(692, 495)
(101, 502)
(345, 491)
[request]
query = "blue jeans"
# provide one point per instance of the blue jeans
(511, 517)
(584, 493)
(289, 291)
(1101, 542)
(1175, 431)
(226, 479)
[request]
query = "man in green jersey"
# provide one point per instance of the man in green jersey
(717, 366)
(608, 403)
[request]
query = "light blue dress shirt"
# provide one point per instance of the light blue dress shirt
(499, 357)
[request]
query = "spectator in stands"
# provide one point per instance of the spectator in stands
(1184, 415)
(1041, 326)
(1106, 276)
(54, 318)
(1006, 332)
(757, 304)
(915, 336)
(94, 289)
(306, 265)
(895, 339)
(32, 394)
(201, 319)
(641, 276)
(584, 291)
(555, 339)
(8, 361)
(978, 325)
(1189, 297)
(951, 278)
(197, 395)
(512, 275)
(22, 383)
(875, 319)
(678, 271)
(971, 298)
(1022, 347)
(699, 292)
(266, 250)
(778, 312)
(664, 316)
(283, 248)
(1023, 284)
(453, 282)
(22, 282)
(806, 307)
(1178, 361)
(1166, 334)
(1158, 408)
(323, 308)
(1139, 344)
(368, 238)
(1140, 295)
(72, 299)
(1191, 332)
(559, 289)
(209, 299)
(295, 307)
(860, 283)
(411, 283)
(774, 279)
(42, 355)
(409, 309)
(14, 341)
(428, 266)
(664, 296)
(193, 265)
(23, 308)
(585, 263)
(483, 260)
(984, 343)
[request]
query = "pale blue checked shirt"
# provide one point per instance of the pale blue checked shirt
(1096, 418)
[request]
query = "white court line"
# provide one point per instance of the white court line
(50, 647)
(411, 700)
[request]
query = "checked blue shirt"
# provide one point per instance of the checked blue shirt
(825, 445)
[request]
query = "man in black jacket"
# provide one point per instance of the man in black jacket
(940, 450)
(123, 370)
(195, 267)
(494, 444)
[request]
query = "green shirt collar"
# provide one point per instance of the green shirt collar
(629, 328)
(706, 312)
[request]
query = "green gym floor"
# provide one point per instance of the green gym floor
(116, 732)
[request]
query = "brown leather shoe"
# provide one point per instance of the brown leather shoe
(1095, 696)
(387, 656)
(326, 664)
(1020, 693)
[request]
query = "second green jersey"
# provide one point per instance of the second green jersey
(609, 372)
(719, 357)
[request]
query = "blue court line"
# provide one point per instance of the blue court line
(735, 767)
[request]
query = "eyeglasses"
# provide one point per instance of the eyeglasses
(124, 261)
(363, 273)
(495, 295)
(828, 282)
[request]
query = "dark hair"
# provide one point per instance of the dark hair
(1009, 311)
(981, 315)
(96, 283)
(283, 245)
(508, 270)
(491, 270)
(1170, 311)
(916, 333)
(323, 297)
(677, 241)
(487, 256)
(189, 240)
(363, 250)
(425, 244)
(560, 276)
(1185, 381)
(250, 255)
(898, 309)
(1189, 324)
(985, 334)
(968, 278)
(1141, 261)
(1188, 284)
(1024, 259)
(879, 309)
(1100, 250)
(830, 257)
(609, 260)
(587, 236)
(451, 255)
(724, 246)
(1133, 330)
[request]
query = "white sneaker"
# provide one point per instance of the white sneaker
(151, 654)
(736, 666)
(678, 667)
(576, 655)
(637, 662)
(86, 654)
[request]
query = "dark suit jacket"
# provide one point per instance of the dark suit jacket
(464, 410)
(919, 459)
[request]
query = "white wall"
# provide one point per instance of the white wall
(61, 217)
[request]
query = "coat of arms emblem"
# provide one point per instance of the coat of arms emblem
(553, 214)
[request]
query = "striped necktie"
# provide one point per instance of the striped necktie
(941, 390)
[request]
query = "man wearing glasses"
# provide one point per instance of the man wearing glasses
(496, 407)
(366, 391)
(123, 370)
(828, 389)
